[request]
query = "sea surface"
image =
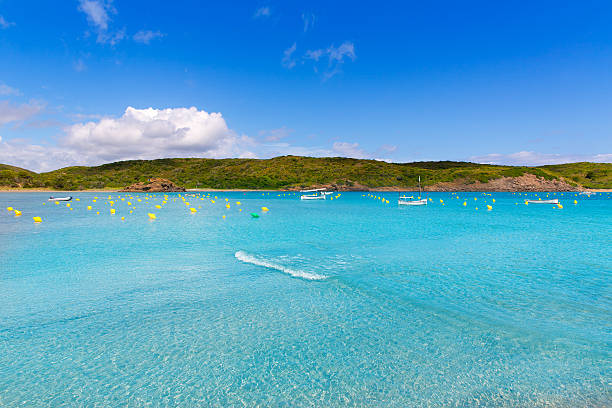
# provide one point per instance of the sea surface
(350, 302)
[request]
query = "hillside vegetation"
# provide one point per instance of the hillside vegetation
(293, 172)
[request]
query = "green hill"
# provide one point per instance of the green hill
(11, 176)
(293, 171)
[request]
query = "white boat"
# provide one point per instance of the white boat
(59, 198)
(404, 200)
(412, 202)
(316, 194)
(555, 201)
(587, 193)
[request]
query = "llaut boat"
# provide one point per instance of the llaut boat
(405, 200)
(554, 201)
(60, 198)
(315, 194)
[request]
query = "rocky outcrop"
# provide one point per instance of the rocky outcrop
(154, 185)
(526, 182)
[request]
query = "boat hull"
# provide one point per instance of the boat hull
(555, 201)
(415, 202)
(305, 197)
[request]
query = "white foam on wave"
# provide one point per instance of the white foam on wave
(244, 257)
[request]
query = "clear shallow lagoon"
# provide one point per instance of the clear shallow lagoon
(349, 302)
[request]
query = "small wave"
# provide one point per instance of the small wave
(244, 257)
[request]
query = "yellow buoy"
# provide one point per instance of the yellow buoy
(575, 201)
(37, 219)
(112, 210)
(77, 199)
(67, 204)
(98, 212)
(131, 211)
(193, 210)
(212, 201)
(57, 203)
(89, 207)
(122, 218)
(465, 203)
(157, 206)
(493, 200)
(560, 206)
(9, 208)
(224, 217)
(17, 213)
(264, 209)
(152, 216)
(237, 202)
(489, 207)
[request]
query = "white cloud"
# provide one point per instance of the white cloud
(7, 90)
(346, 49)
(154, 133)
(347, 149)
(262, 12)
(283, 149)
(314, 54)
(98, 16)
(530, 158)
(288, 61)
(336, 56)
(37, 157)
(309, 20)
(4, 24)
(17, 113)
(274, 135)
(137, 134)
(145, 36)
(96, 12)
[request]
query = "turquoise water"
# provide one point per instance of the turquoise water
(345, 302)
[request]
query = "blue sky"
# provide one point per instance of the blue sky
(90, 81)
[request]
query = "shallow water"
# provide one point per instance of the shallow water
(344, 302)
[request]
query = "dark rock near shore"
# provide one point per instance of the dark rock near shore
(154, 185)
(526, 182)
